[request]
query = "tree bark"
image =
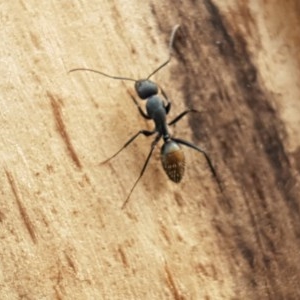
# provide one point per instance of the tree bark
(63, 232)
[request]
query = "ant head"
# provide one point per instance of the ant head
(173, 160)
(145, 88)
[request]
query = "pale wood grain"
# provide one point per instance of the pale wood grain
(63, 234)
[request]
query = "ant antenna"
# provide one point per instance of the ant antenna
(98, 72)
(174, 30)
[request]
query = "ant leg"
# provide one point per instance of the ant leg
(182, 115)
(168, 105)
(212, 169)
(144, 132)
(154, 143)
(143, 114)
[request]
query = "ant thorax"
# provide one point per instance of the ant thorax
(157, 112)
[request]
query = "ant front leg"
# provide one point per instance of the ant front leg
(143, 114)
(168, 105)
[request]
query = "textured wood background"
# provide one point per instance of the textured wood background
(63, 234)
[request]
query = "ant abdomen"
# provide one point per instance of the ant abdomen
(173, 160)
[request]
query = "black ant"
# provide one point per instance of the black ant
(172, 156)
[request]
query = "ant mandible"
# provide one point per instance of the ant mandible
(172, 156)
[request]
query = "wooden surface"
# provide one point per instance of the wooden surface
(63, 234)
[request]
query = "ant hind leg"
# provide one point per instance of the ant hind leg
(208, 160)
(154, 143)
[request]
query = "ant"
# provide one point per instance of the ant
(172, 156)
